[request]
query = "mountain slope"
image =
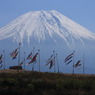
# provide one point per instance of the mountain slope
(48, 31)
(43, 25)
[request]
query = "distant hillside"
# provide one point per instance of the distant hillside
(38, 83)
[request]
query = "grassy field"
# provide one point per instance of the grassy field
(13, 82)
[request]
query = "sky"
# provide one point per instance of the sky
(80, 11)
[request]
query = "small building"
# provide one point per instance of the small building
(15, 67)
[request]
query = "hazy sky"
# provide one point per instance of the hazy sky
(81, 11)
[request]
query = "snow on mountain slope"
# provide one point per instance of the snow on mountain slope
(42, 29)
(43, 25)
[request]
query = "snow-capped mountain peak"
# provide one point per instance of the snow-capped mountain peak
(43, 25)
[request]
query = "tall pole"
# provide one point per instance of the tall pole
(4, 58)
(33, 55)
(73, 61)
(24, 60)
(54, 61)
(19, 54)
(39, 59)
(83, 63)
(57, 62)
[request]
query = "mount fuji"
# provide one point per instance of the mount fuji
(47, 31)
(42, 25)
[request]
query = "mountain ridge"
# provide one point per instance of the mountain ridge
(48, 31)
(43, 25)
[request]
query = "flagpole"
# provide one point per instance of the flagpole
(39, 59)
(4, 58)
(83, 63)
(54, 60)
(57, 62)
(19, 54)
(33, 55)
(73, 61)
(19, 57)
(24, 60)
